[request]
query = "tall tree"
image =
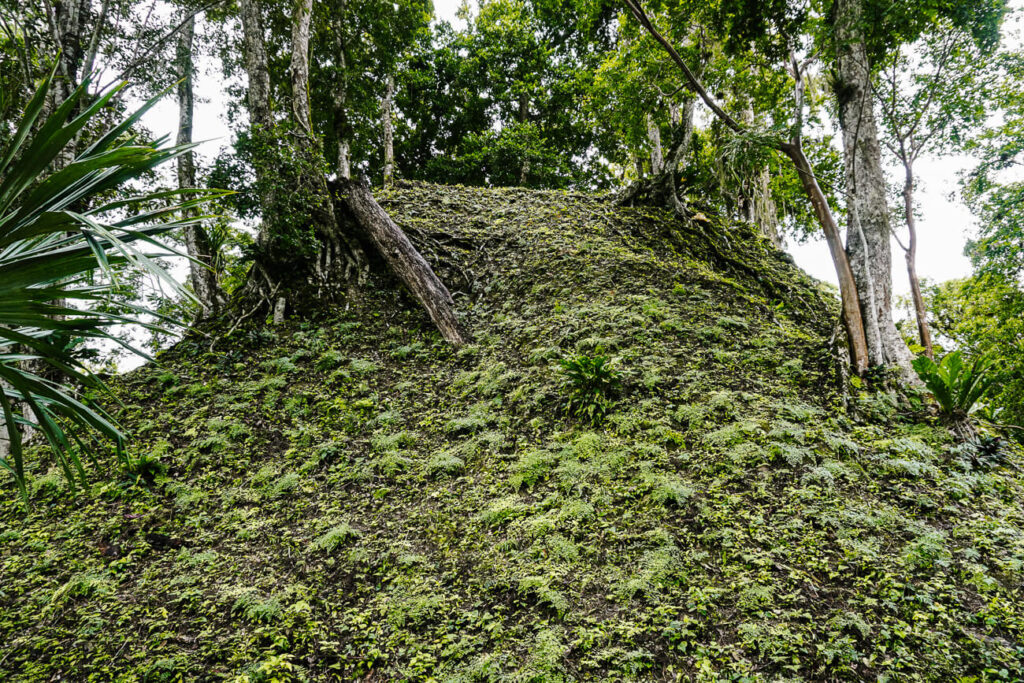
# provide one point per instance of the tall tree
(930, 95)
(197, 241)
(302, 241)
(867, 205)
(794, 149)
(863, 33)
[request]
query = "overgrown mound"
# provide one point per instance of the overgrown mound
(349, 498)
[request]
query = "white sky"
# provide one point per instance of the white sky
(944, 222)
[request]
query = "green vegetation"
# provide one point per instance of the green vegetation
(957, 385)
(65, 241)
(394, 508)
(590, 383)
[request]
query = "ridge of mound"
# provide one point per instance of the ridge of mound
(345, 497)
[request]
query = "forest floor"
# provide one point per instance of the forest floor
(346, 497)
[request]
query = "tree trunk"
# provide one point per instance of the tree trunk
(66, 22)
(852, 319)
(338, 245)
(654, 137)
(754, 194)
(343, 165)
(761, 209)
(261, 117)
(256, 66)
(402, 258)
(389, 133)
(920, 311)
(302, 15)
(867, 204)
(197, 241)
(524, 114)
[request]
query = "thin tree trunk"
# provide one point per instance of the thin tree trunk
(852, 319)
(654, 137)
(343, 166)
(867, 206)
(197, 241)
(403, 259)
(524, 114)
(94, 41)
(389, 133)
(920, 311)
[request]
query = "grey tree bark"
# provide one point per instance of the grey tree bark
(910, 255)
(302, 16)
(257, 69)
(524, 114)
(867, 203)
(343, 163)
(197, 242)
(654, 138)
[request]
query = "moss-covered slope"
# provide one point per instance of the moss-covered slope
(348, 498)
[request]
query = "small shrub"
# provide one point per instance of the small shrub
(280, 366)
(981, 454)
(329, 360)
(591, 383)
(672, 492)
(957, 385)
(256, 610)
(146, 468)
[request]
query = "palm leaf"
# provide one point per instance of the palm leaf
(50, 249)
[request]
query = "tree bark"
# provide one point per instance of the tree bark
(524, 114)
(343, 164)
(302, 15)
(867, 204)
(261, 117)
(201, 274)
(402, 258)
(66, 21)
(389, 132)
(920, 311)
(338, 245)
(852, 319)
(256, 65)
(654, 137)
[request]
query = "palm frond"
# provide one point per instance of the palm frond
(53, 239)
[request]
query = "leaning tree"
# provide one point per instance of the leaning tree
(314, 234)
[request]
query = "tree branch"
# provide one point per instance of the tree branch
(695, 85)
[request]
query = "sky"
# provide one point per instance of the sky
(944, 223)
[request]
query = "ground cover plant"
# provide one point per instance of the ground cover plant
(347, 497)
